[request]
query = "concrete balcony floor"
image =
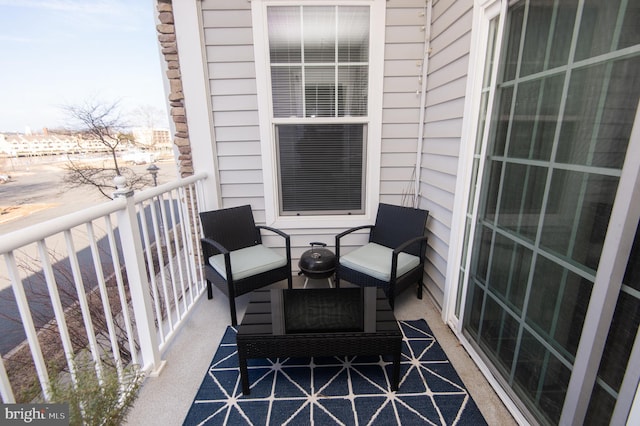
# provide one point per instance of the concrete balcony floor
(166, 399)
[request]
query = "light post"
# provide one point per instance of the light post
(153, 169)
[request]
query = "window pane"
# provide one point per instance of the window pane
(578, 215)
(515, 22)
(494, 171)
(498, 330)
(618, 113)
(510, 267)
(352, 80)
(521, 203)
(536, 365)
(565, 21)
(632, 273)
(535, 118)
(630, 32)
(490, 56)
(573, 301)
(600, 14)
(544, 294)
(622, 334)
(601, 407)
(320, 92)
(284, 34)
(319, 34)
(558, 304)
(321, 168)
(601, 106)
(353, 34)
(554, 387)
(286, 83)
(620, 341)
(472, 317)
(536, 39)
(501, 121)
(547, 43)
(484, 241)
(615, 358)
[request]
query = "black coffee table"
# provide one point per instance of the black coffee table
(318, 322)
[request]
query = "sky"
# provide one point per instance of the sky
(57, 53)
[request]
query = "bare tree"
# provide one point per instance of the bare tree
(101, 121)
(148, 116)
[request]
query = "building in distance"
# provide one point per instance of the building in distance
(57, 143)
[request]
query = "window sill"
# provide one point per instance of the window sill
(321, 222)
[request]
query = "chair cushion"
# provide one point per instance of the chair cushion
(375, 260)
(248, 261)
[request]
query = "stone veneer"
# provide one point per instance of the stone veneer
(168, 42)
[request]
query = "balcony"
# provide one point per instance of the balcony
(121, 282)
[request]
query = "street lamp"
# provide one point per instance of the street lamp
(153, 169)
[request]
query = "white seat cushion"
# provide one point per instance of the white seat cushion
(375, 260)
(248, 261)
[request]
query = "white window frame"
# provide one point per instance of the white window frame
(483, 12)
(265, 114)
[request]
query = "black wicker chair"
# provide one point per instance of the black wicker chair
(235, 259)
(394, 257)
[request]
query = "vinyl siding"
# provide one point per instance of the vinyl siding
(446, 86)
(228, 39)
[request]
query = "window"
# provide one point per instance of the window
(555, 126)
(321, 167)
(320, 121)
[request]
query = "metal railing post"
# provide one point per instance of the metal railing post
(132, 250)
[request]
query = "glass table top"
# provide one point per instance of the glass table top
(323, 310)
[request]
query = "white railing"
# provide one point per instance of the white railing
(115, 280)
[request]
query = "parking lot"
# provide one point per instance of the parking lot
(35, 191)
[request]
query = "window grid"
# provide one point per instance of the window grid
(493, 226)
(320, 80)
(306, 66)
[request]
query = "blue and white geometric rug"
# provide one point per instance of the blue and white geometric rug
(337, 390)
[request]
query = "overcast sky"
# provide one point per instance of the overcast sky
(64, 52)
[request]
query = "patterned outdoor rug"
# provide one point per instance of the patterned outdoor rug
(337, 390)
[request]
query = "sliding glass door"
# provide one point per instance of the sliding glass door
(556, 119)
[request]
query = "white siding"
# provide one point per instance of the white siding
(228, 40)
(446, 85)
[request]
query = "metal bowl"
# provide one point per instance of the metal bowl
(318, 262)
